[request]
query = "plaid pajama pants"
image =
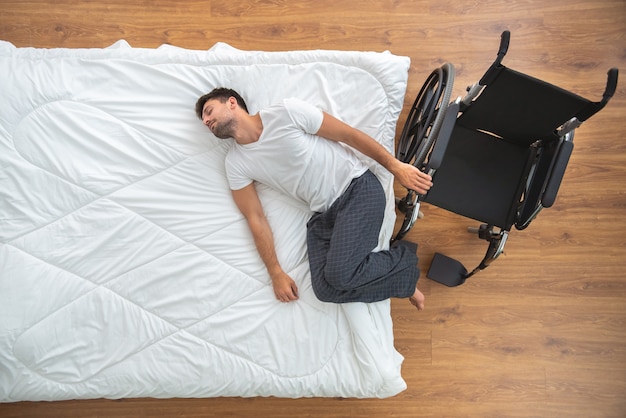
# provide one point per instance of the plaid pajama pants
(341, 241)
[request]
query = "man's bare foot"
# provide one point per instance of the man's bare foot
(417, 299)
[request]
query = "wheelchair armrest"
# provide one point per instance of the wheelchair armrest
(557, 172)
(439, 149)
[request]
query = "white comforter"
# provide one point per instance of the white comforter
(125, 268)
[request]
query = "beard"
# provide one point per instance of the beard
(225, 129)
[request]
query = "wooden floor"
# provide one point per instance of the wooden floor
(542, 332)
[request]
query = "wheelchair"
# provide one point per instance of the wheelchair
(496, 155)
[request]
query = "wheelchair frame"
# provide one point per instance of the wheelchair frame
(424, 140)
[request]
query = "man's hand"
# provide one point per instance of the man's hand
(285, 288)
(412, 178)
(247, 200)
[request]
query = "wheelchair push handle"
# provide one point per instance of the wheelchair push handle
(594, 107)
(611, 85)
(505, 38)
(492, 72)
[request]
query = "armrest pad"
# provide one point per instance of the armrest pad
(558, 170)
(443, 137)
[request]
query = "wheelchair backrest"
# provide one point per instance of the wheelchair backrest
(521, 109)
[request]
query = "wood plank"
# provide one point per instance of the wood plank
(538, 333)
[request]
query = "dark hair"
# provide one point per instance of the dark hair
(222, 94)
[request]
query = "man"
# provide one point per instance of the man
(294, 148)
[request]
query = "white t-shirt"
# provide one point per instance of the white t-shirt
(290, 158)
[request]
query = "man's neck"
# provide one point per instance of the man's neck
(249, 129)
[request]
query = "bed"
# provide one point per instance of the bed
(125, 268)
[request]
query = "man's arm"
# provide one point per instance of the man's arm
(247, 200)
(408, 175)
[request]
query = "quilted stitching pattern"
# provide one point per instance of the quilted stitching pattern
(130, 259)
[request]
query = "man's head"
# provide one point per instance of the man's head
(222, 94)
(218, 110)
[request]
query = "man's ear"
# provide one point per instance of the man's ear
(232, 101)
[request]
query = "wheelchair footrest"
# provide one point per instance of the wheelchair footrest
(446, 270)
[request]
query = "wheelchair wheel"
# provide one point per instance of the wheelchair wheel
(425, 118)
(420, 133)
(409, 206)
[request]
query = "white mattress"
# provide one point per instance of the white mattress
(125, 268)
